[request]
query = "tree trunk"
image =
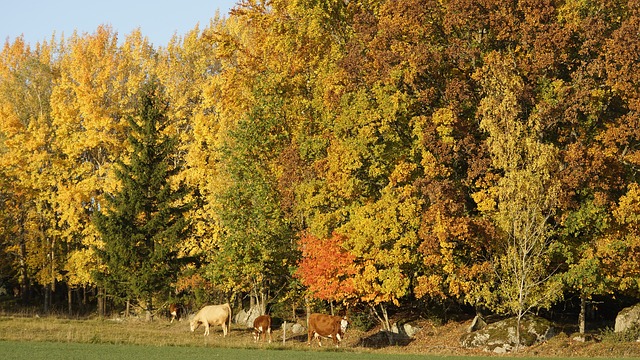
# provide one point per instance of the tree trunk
(293, 311)
(51, 291)
(307, 308)
(263, 303)
(52, 285)
(149, 310)
(583, 314)
(384, 319)
(387, 325)
(84, 297)
(252, 298)
(47, 298)
(24, 273)
(102, 294)
(69, 300)
(519, 318)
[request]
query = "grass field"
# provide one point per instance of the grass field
(52, 338)
(68, 351)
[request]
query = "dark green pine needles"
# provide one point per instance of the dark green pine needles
(143, 223)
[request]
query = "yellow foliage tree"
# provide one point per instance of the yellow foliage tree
(383, 238)
(94, 92)
(28, 162)
(522, 199)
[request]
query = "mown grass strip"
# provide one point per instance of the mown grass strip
(18, 350)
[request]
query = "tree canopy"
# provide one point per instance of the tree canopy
(377, 152)
(143, 222)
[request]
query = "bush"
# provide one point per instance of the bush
(362, 320)
(630, 335)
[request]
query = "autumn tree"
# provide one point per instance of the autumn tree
(619, 143)
(619, 249)
(266, 131)
(92, 97)
(326, 269)
(521, 200)
(594, 134)
(143, 223)
(186, 68)
(28, 162)
(256, 246)
(433, 145)
(383, 239)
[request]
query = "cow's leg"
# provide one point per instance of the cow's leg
(224, 329)
(269, 331)
(206, 328)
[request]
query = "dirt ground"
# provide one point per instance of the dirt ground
(445, 340)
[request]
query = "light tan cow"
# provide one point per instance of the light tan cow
(213, 315)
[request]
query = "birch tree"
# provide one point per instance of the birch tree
(521, 200)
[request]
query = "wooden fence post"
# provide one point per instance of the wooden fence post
(284, 332)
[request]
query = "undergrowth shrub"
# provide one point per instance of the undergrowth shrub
(630, 335)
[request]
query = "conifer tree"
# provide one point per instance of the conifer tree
(144, 222)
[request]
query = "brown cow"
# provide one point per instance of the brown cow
(328, 326)
(176, 312)
(262, 328)
(213, 315)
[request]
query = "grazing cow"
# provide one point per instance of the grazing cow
(262, 328)
(213, 315)
(176, 312)
(328, 326)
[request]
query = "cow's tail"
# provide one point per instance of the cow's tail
(229, 320)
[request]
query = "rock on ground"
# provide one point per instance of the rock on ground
(501, 336)
(627, 318)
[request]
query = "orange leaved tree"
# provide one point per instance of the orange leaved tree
(326, 268)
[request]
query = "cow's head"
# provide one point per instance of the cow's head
(343, 324)
(256, 333)
(194, 325)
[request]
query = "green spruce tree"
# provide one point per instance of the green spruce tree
(144, 222)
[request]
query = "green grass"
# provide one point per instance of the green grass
(68, 351)
(18, 350)
(52, 338)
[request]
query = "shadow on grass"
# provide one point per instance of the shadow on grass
(384, 339)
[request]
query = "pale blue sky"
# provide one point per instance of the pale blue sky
(158, 20)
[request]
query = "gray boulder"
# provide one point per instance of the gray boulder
(627, 318)
(298, 328)
(478, 323)
(406, 329)
(246, 317)
(500, 337)
(293, 328)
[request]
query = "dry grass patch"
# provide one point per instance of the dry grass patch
(436, 340)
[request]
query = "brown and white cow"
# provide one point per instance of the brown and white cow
(262, 328)
(213, 315)
(175, 311)
(328, 326)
